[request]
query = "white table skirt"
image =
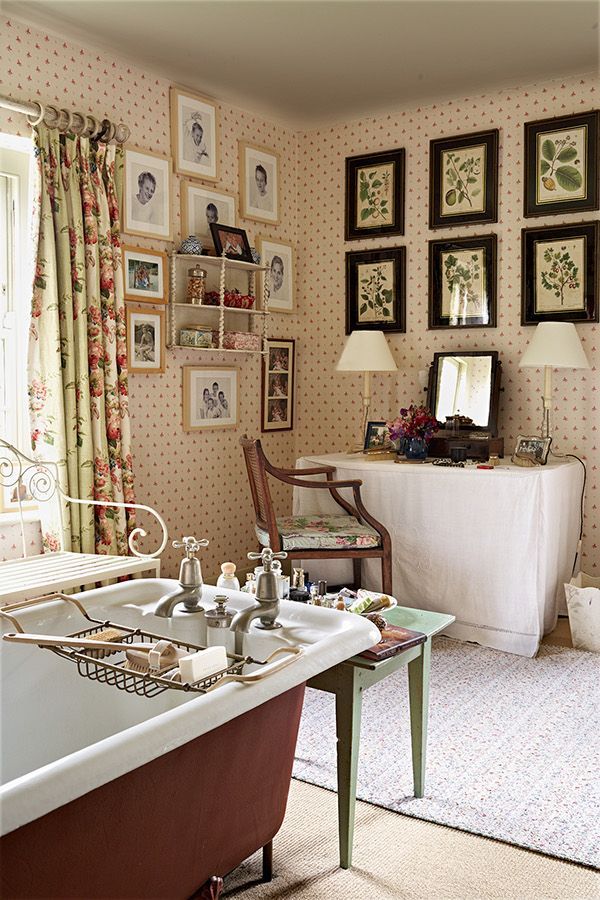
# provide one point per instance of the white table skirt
(491, 547)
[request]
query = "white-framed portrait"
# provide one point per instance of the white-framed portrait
(278, 387)
(210, 397)
(201, 206)
(259, 183)
(145, 339)
(278, 256)
(147, 194)
(194, 134)
(144, 274)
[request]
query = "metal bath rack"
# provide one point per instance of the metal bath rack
(145, 684)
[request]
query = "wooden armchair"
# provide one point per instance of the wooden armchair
(356, 535)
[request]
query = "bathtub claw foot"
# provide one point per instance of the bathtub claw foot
(210, 890)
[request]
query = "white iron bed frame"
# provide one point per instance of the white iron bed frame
(42, 573)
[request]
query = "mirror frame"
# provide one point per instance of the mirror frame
(492, 423)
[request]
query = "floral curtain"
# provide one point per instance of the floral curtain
(77, 364)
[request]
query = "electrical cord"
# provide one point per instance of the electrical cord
(579, 460)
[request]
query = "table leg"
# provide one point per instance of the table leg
(348, 708)
(418, 689)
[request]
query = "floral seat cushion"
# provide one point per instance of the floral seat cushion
(322, 533)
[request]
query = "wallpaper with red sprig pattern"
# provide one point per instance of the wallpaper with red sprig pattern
(198, 481)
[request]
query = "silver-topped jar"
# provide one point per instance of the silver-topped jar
(196, 286)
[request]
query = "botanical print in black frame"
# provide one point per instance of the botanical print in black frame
(463, 179)
(462, 282)
(376, 290)
(559, 281)
(374, 194)
(562, 174)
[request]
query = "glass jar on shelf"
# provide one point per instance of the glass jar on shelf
(196, 286)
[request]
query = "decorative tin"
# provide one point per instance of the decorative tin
(196, 337)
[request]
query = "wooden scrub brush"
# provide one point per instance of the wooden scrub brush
(139, 657)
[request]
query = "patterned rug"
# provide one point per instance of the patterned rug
(513, 749)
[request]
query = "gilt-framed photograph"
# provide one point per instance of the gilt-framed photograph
(145, 340)
(210, 397)
(278, 385)
(376, 290)
(194, 134)
(462, 282)
(562, 174)
(231, 241)
(147, 194)
(463, 179)
(259, 183)
(374, 194)
(533, 448)
(278, 256)
(377, 437)
(559, 281)
(144, 274)
(202, 206)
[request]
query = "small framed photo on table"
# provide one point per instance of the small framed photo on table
(374, 194)
(376, 290)
(201, 207)
(231, 241)
(562, 173)
(463, 179)
(144, 274)
(145, 340)
(560, 273)
(194, 134)
(210, 397)
(462, 282)
(278, 386)
(259, 183)
(147, 194)
(279, 257)
(533, 448)
(377, 437)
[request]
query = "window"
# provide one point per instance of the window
(16, 267)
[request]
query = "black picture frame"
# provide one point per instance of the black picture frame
(450, 285)
(445, 178)
(555, 166)
(278, 385)
(366, 220)
(218, 233)
(540, 301)
(373, 438)
(358, 315)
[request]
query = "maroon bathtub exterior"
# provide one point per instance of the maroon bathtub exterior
(162, 830)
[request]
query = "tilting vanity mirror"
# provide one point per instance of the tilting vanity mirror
(463, 394)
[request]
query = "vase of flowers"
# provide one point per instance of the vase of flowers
(412, 430)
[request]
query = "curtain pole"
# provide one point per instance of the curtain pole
(65, 120)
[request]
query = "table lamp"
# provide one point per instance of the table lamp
(366, 352)
(555, 345)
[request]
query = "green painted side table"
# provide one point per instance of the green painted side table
(347, 681)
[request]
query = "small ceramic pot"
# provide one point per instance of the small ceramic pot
(191, 244)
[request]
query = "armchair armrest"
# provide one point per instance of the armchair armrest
(318, 470)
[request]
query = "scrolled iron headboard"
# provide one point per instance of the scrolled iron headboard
(41, 479)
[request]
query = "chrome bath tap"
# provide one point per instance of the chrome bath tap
(189, 591)
(266, 607)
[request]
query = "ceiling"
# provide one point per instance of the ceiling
(307, 62)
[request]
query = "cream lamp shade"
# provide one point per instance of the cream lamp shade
(366, 351)
(555, 345)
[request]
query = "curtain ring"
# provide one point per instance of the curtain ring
(40, 117)
(77, 123)
(91, 127)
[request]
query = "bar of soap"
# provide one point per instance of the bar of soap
(202, 664)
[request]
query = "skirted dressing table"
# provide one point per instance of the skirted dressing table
(492, 547)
